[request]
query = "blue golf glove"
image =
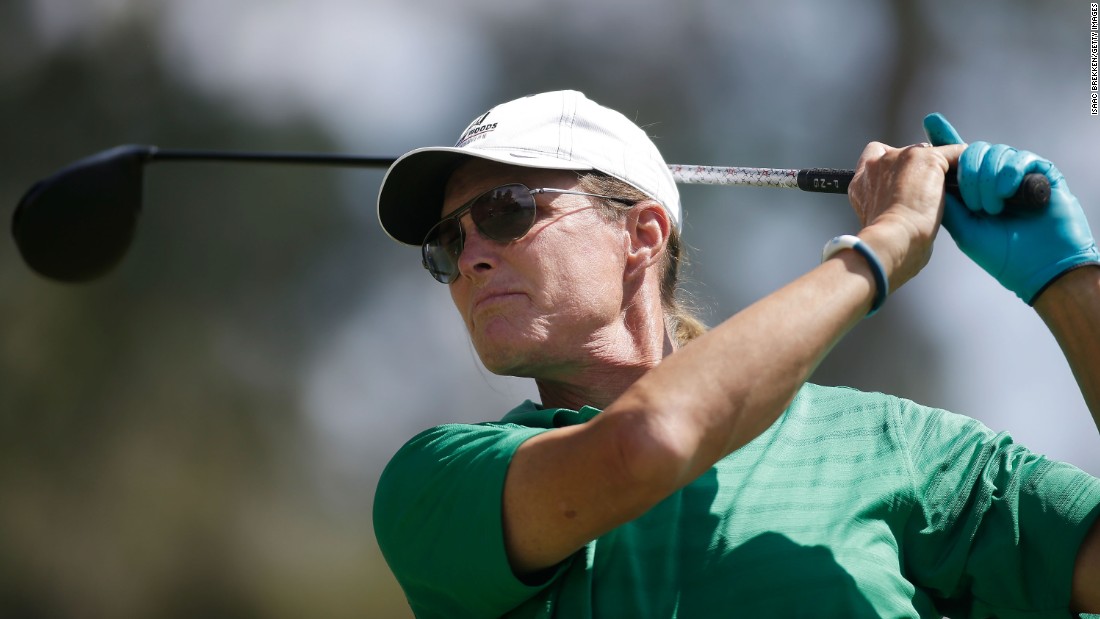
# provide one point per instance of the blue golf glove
(1024, 251)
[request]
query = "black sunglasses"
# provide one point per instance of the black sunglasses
(502, 214)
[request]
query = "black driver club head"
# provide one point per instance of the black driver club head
(77, 223)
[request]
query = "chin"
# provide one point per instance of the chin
(507, 352)
(509, 360)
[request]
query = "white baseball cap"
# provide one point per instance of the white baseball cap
(561, 130)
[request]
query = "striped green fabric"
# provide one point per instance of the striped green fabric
(851, 505)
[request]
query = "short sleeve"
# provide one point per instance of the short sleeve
(996, 528)
(437, 518)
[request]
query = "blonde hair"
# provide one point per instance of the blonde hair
(681, 319)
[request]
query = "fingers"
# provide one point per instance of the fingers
(939, 131)
(991, 164)
(897, 194)
(872, 152)
(990, 173)
(1016, 164)
(907, 182)
(950, 153)
(876, 152)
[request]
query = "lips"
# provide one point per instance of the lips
(493, 296)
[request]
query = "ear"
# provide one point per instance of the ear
(647, 227)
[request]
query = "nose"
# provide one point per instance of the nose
(479, 254)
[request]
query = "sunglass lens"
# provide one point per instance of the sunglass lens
(505, 213)
(441, 250)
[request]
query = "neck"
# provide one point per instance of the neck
(611, 364)
(591, 390)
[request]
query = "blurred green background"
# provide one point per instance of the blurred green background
(199, 434)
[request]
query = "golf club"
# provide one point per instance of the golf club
(77, 224)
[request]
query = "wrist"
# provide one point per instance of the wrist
(1033, 288)
(895, 247)
(867, 254)
(1078, 286)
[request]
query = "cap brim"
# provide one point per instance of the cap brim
(411, 196)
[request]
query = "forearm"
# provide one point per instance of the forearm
(569, 486)
(722, 390)
(731, 384)
(1070, 307)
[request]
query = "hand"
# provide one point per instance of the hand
(898, 195)
(1025, 252)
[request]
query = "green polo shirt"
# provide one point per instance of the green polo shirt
(850, 505)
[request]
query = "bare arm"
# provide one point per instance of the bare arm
(1071, 310)
(1086, 574)
(1070, 307)
(569, 486)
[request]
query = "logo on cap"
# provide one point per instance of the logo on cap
(476, 130)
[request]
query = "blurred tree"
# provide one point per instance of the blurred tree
(154, 457)
(671, 63)
(857, 359)
(153, 461)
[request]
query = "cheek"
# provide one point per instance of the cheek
(460, 296)
(582, 270)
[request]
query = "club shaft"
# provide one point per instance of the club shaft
(1033, 193)
(822, 180)
(325, 159)
(826, 180)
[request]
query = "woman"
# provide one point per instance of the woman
(669, 472)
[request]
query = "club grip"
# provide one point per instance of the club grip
(1032, 195)
(824, 180)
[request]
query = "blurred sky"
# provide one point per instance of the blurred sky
(387, 76)
(783, 84)
(760, 83)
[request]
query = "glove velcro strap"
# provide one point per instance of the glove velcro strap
(1085, 258)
